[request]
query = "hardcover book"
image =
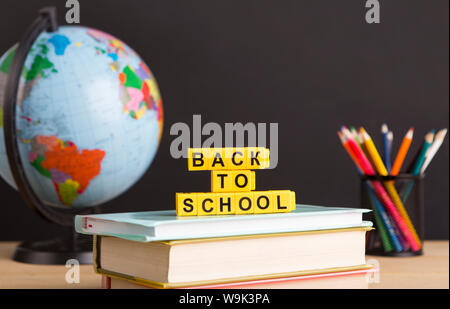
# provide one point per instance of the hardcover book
(208, 261)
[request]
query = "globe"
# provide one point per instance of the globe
(88, 120)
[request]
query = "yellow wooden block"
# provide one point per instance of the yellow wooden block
(238, 158)
(217, 159)
(198, 159)
(255, 157)
(226, 203)
(264, 202)
(221, 181)
(244, 203)
(282, 200)
(207, 204)
(186, 204)
(242, 181)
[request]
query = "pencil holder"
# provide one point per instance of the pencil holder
(386, 239)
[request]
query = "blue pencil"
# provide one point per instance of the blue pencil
(390, 137)
(384, 219)
(386, 147)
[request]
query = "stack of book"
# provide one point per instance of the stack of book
(310, 247)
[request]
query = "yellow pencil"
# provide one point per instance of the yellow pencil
(373, 153)
(381, 169)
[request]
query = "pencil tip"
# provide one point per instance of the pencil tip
(364, 133)
(441, 134)
(384, 128)
(410, 133)
(429, 137)
(341, 137)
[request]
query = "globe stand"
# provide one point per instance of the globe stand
(56, 251)
(70, 245)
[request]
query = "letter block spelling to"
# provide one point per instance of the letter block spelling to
(216, 159)
(255, 202)
(232, 181)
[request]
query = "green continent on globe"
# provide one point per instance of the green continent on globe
(138, 90)
(40, 67)
(69, 168)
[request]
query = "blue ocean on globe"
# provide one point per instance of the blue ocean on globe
(89, 117)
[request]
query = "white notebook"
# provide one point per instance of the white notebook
(165, 225)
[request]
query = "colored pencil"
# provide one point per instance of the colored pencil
(373, 153)
(403, 150)
(414, 159)
(418, 164)
(385, 241)
(390, 138)
(380, 191)
(389, 185)
(355, 134)
(388, 237)
(349, 151)
(438, 140)
(420, 160)
(386, 228)
(386, 151)
(400, 237)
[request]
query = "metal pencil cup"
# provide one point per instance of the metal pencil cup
(413, 204)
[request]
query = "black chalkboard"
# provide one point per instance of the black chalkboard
(310, 66)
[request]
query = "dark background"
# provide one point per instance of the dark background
(311, 66)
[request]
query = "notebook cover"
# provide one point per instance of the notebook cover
(151, 219)
(163, 285)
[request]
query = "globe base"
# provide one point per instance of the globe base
(56, 251)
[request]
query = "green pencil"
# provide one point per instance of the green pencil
(418, 164)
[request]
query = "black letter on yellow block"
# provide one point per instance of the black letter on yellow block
(233, 158)
(279, 203)
(194, 159)
(218, 159)
(236, 180)
(255, 158)
(258, 203)
(225, 204)
(222, 176)
(203, 205)
(190, 206)
(249, 203)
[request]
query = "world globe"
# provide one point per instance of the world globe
(89, 117)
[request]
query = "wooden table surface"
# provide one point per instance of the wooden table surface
(428, 271)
